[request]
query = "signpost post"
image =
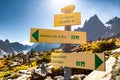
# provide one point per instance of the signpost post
(67, 20)
(67, 49)
(68, 37)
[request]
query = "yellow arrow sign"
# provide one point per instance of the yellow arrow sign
(67, 19)
(57, 36)
(79, 60)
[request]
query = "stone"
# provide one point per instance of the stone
(36, 76)
(78, 77)
(117, 77)
(58, 78)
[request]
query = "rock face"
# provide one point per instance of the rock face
(95, 29)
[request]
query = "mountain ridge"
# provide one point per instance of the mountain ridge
(95, 29)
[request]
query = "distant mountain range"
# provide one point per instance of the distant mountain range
(7, 48)
(16, 46)
(95, 29)
(44, 46)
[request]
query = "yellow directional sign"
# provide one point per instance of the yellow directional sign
(67, 19)
(79, 60)
(57, 36)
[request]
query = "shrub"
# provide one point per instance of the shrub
(3, 63)
(96, 48)
(103, 46)
(22, 67)
(34, 64)
(5, 74)
(45, 58)
(56, 71)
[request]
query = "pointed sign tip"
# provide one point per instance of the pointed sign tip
(36, 34)
(98, 61)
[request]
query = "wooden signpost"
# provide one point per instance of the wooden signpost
(68, 37)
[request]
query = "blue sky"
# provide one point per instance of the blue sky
(18, 16)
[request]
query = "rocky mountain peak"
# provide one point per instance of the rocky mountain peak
(95, 17)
